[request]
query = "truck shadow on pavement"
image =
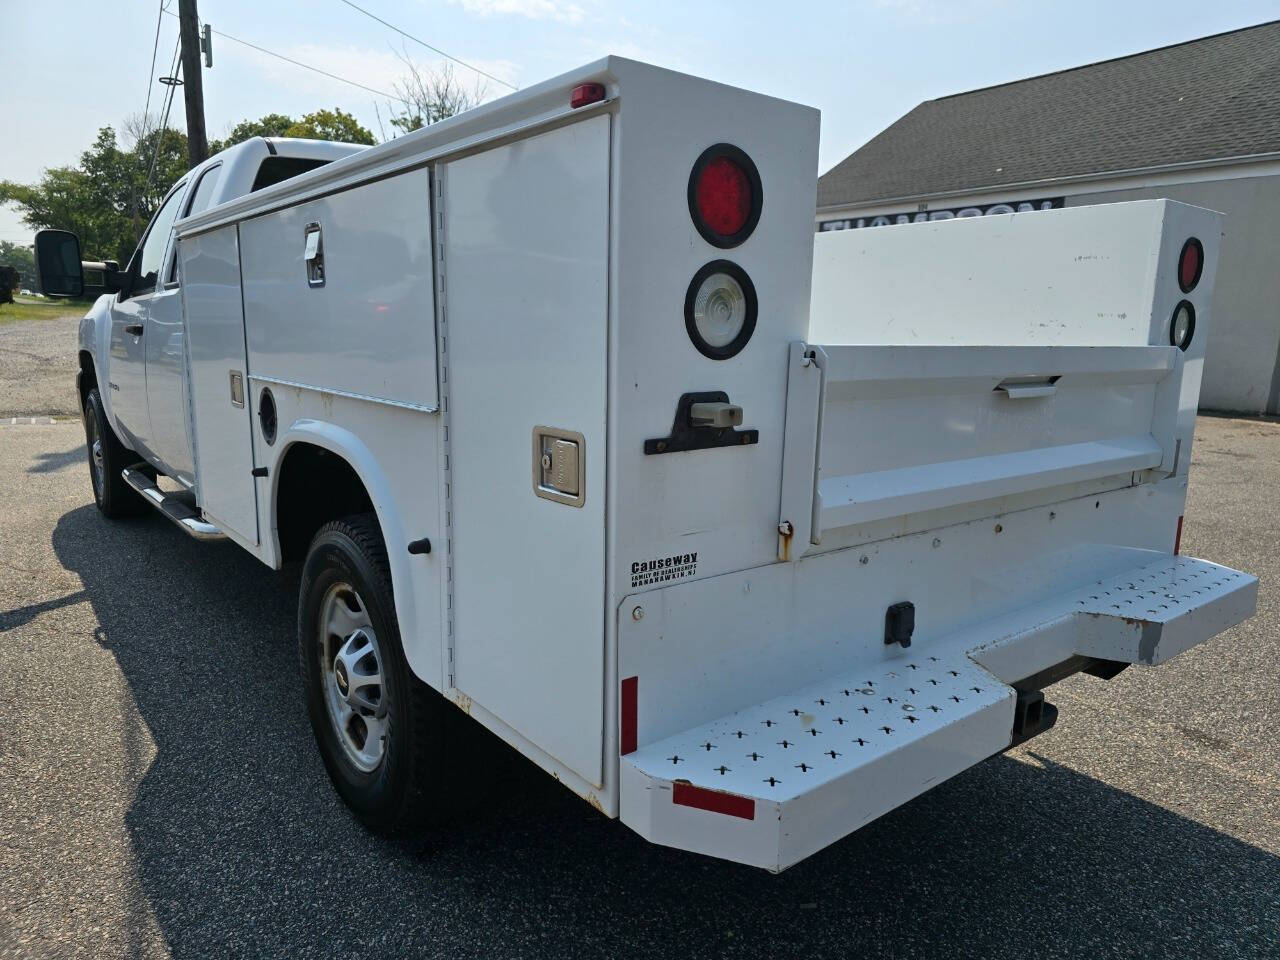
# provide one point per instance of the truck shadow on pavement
(242, 847)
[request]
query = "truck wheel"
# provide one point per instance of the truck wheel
(107, 458)
(379, 727)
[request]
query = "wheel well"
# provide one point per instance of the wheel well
(316, 486)
(88, 378)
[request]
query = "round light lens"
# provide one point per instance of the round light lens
(1183, 325)
(1190, 265)
(725, 195)
(720, 309)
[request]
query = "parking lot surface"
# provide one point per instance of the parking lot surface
(160, 794)
(38, 365)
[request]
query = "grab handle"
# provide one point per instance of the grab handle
(1021, 388)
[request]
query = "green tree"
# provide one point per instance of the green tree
(335, 124)
(97, 199)
(108, 198)
(272, 125)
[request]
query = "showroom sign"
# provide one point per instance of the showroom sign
(955, 213)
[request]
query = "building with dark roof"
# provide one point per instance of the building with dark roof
(1197, 122)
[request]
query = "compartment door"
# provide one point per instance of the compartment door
(902, 430)
(526, 328)
(214, 316)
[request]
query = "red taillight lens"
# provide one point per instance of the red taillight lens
(1190, 265)
(586, 93)
(724, 195)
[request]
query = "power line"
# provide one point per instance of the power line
(305, 66)
(409, 36)
(164, 121)
(151, 74)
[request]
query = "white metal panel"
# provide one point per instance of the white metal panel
(863, 497)
(526, 301)
(772, 782)
(705, 648)
(394, 452)
(125, 369)
(370, 329)
(721, 504)
(1077, 276)
(908, 429)
(167, 406)
(210, 267)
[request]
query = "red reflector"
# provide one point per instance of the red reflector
(687, 795)
(1190, 265)
(1177, 538)
(627, 717)
(724, 196)
(586, 93)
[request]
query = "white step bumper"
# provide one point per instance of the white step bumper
(773, 783)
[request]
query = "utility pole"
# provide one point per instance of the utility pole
(192, 82)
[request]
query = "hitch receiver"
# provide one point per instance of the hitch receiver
(1032, 715)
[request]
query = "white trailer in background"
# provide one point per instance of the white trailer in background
(746, 543)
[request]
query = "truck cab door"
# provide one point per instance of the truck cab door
(130, 313)
(167, 373)
(126, 372)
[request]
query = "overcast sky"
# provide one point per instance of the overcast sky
(863, 63)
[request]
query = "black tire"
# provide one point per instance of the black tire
(114, 497)
(402, 792)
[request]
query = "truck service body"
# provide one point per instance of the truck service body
(747, 536)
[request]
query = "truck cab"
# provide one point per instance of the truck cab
(132, 343)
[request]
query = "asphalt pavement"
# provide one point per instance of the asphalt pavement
(160, 794)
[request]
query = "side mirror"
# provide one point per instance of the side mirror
(61, 273)
(103, 276)
(58, 270)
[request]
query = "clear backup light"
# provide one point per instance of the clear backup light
(1182, 326)
(720, 310)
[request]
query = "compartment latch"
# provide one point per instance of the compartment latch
(900, 623)
(703, 421)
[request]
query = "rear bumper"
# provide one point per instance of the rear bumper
(773, 783)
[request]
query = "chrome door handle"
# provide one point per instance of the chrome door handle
(133, 328)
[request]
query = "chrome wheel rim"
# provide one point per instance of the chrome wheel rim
(351, 677)
(96, 463)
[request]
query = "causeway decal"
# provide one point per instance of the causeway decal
(679, 566)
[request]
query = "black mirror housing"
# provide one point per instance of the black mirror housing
(58, 269)
(103, 277)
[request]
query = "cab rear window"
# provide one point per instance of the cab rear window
(276, 169)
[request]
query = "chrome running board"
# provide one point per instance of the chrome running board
(178, 507)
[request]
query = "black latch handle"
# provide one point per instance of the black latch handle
(900, 623)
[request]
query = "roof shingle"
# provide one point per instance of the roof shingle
(1205, 99)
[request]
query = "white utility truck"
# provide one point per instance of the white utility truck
(744, 538)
